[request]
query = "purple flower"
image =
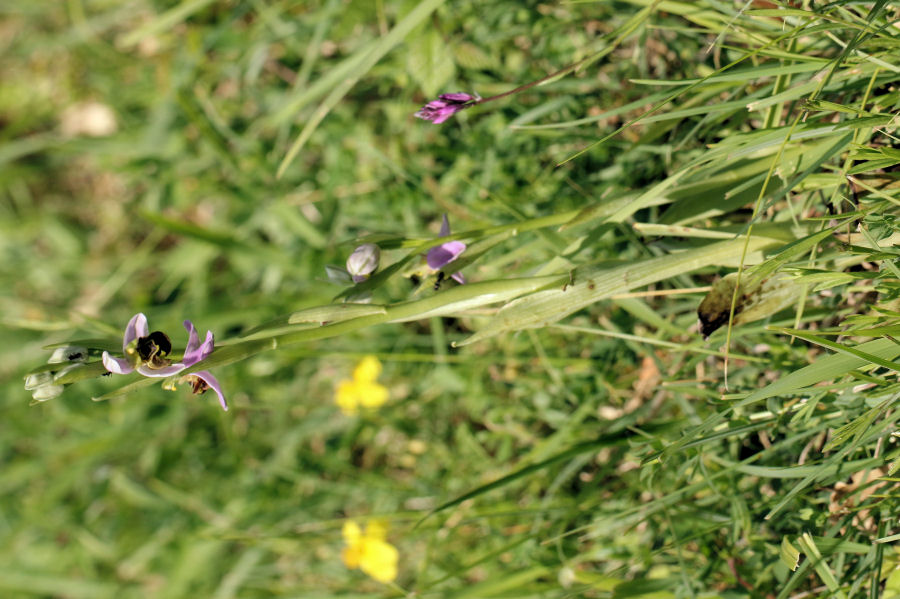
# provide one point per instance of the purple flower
(440, 256)
(148, 354)
(438, 111)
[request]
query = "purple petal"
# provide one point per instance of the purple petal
(459, 278)
(214, 385)
(161, 372)
(445, 226)
(194, 351)
(137, 327)
(438, 111)
(444, 254)
(193, 338)
(116, 365)
(441, 116)
(457, 97)
(430, 113)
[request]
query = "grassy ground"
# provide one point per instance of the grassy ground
(558, 426)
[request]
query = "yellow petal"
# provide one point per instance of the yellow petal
(372, 395)
(351, 556)
(367, 370)
(347, 396)
(352, 533)
(376, 530)
(379, 560)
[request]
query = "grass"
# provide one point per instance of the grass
(556, 427)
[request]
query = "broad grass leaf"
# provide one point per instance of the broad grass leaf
(592, 285)
(335, 313)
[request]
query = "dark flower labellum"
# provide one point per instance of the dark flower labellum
(154, 348)
(198, 385)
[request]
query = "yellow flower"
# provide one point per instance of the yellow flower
(362, 390)
(369, 552)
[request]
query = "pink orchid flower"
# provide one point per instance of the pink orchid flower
(147, 353)
(440, 256)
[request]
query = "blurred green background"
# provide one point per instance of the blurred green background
(138, 156)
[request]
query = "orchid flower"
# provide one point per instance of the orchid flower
(438, 111)
(147, 353)
(440, 256)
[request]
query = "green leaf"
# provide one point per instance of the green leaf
(790, 555)
(826, 368)
(164, 22)
(470, 56)
(780, 12)
(808, 546)
(594, 284)
(429, 62)
(371, 58)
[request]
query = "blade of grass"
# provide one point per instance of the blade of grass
(379, 50)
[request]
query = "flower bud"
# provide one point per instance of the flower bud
(363, 262)
(47, 392)
(38, 379)
(69, 353)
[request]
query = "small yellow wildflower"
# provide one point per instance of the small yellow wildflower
(362, 390)
(369, 551)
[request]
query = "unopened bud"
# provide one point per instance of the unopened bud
(363, 262)
(45, 392)
(38, 379)
(69, 353)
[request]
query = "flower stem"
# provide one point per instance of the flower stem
(521, 88)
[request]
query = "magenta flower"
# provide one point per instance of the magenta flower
(440, 256)
(147, 353)
(438, 111)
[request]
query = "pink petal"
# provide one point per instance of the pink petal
(194, 351)
(458, 97)
(213, 383)
(445, 226)
(116, 365)
(193, 338)
(443, 116)
(137, 327)
(161, 372)
(444, 254)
